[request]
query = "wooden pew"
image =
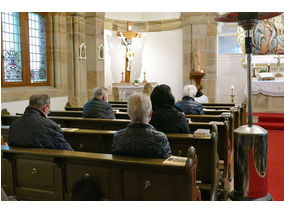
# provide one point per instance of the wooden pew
(218, 118)
(118, 115)
(241, 107)
(78, 122)
(110, 124)
(207, 172)
(122, 114)
(100, 141)
(45, 174)
(224, 152)
(118, 102)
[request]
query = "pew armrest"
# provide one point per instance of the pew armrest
(191, 167)
(214, 166)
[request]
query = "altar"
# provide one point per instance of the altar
(122, 91)
(267, 96)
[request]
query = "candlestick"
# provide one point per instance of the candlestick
(253, 73)
(232, 89)
(122, 81)
(232, 96)
(144, 81)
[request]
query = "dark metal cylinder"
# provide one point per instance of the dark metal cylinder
(250, 161)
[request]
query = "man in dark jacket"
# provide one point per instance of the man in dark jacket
(140, 139)
(98, 107)
(34, 130)
(188, 105)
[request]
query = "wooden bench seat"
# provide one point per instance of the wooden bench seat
(100, 141)
(45, 174)
(109, 124)
(121, 113)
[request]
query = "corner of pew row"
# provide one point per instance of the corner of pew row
(191, 167)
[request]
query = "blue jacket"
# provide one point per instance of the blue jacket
(97, 108)
(34, 130)
(190, 107)
(141, 140)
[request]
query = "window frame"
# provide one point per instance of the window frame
(26, 72)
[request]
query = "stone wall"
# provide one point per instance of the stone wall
(94, 39)
(200, 33)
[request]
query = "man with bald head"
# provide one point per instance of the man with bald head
(35, 130)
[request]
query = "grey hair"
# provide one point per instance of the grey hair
(189, 90)
(139, 107)
(100, 92)
(39, 100)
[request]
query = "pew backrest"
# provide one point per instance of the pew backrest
(45, 174)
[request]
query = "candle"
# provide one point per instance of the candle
(254, 64)
(232, 89)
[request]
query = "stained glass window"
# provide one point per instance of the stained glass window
(37, 41)
(11, 36)
(24, 48)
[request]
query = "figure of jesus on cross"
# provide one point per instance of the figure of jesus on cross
(127, 40)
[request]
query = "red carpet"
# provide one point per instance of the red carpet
(270, 121)
(276, 164)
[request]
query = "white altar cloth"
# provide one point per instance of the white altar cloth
(123, 92)
(271, 88)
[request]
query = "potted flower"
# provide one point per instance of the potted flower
(136, 82)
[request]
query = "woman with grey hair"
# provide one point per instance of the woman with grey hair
(188, 105)
(139, 138)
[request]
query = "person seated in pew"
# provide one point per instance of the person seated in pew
(166, 116)
(188, 105)
(200, 97)
(147, 89)
(98, 107)
(35, 130)
(85, 189)
(139, 138)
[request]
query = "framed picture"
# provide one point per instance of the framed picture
(101, 51)
(82, 51)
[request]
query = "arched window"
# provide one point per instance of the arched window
(25, 49)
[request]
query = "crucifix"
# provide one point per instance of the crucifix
(127, 39)
(278, 74)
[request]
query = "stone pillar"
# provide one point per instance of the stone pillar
(94, 38)
(77, 77)
(59, 51)
(200, 33)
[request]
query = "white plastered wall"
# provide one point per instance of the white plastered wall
(14, 107)
(231, 72)
(159, 54)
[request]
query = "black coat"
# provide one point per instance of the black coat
(97, 108)
(34, 130)
(169, 119)
(141, 140)
(190, 107)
